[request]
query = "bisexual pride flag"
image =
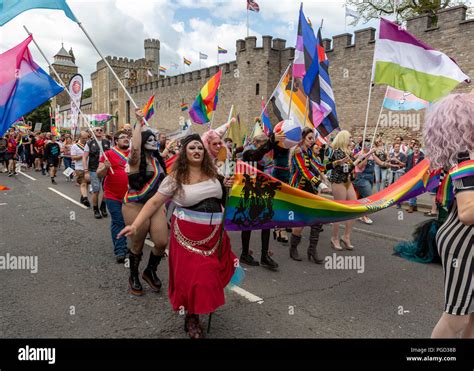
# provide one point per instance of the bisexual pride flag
(23, 85)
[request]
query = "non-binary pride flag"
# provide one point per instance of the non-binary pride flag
(397, 100)
(9, 9)
(149, 108)
(407, 64)
(206, 101)
(23, 85)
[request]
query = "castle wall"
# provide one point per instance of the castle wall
(350, 59)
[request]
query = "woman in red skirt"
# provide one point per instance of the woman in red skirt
(200, 265)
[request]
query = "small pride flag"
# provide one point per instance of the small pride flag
(206, 101)
(187, 62)
(221, 50)
(184, 106)
(163, 69)
(149, 109)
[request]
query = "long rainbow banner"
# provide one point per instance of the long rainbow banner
(258, 201)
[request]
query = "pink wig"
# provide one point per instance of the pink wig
(207, 138)
(449, 129)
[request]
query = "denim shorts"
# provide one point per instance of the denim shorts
(95, 182)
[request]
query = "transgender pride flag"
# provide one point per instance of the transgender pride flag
(397, 100)
(23, 85)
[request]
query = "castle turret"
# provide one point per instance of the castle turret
(152, 53)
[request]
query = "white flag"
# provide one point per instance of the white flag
(149, 73)
(352, 13)
(202, 56)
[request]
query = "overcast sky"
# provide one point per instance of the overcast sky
(184, 27)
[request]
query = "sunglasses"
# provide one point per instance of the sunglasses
(98, 130)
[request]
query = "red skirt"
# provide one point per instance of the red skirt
(197, 277)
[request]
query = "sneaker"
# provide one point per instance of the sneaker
(249, 260)
(85, 201)
(53, 181)
(120, 259)
(103, 211)
(10, 174)
(97, 214)
(269, 263)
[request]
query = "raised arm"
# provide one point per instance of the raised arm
(134, 157)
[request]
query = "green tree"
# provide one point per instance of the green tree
(87, 93)
(40, 114)
(373, 9)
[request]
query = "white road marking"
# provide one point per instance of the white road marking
(238, 290)
(247, 295)
(28, 176)
(67, 198)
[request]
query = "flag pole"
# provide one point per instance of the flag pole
(67, 91)
(378, 121)
(291, 93)
(306, 111)
(111, 69)
(247, 20)
(274, 91)
(370, 96)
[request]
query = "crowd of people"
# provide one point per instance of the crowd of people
(174, 192)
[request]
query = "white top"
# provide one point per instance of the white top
(76, 151)
(191, 193)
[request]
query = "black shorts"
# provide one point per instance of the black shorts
(9, 156)
(53, 162)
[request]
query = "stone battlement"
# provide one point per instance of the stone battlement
(184, 78)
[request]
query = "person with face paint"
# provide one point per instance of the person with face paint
(307, 174)
(201, 262)
(146, 171)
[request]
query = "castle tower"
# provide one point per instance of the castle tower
(152, 53)
(65, 66)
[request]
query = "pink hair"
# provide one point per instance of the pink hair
(449, 129)
(207, 138)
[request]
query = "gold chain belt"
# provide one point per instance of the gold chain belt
(189, 244)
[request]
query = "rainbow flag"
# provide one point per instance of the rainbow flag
(258, 201)
(163, 69)
(187, 62)
(206, 101)
(221, 50)
(3, 188)
(446, 192)
(54, 129)
(149, 108)
(184, 107)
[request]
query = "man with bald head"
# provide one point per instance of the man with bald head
(77, 150)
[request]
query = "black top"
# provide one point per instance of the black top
(52, 151)
(94, 153)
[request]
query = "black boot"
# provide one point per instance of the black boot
(103, 209)
(97, 214)
(313, 243)
(134, 281)
(294, 242)
(149, 274)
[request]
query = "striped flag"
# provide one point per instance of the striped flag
(184, 107)
(206, 101)
(252, 6)
(149, 108)
(267, 126)
(163, 69)
(202, 56)
(221, 50)
(397, 100)
(187, 62)
(405, 63)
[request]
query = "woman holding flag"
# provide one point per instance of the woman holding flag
(455, 238)
(201, 262)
